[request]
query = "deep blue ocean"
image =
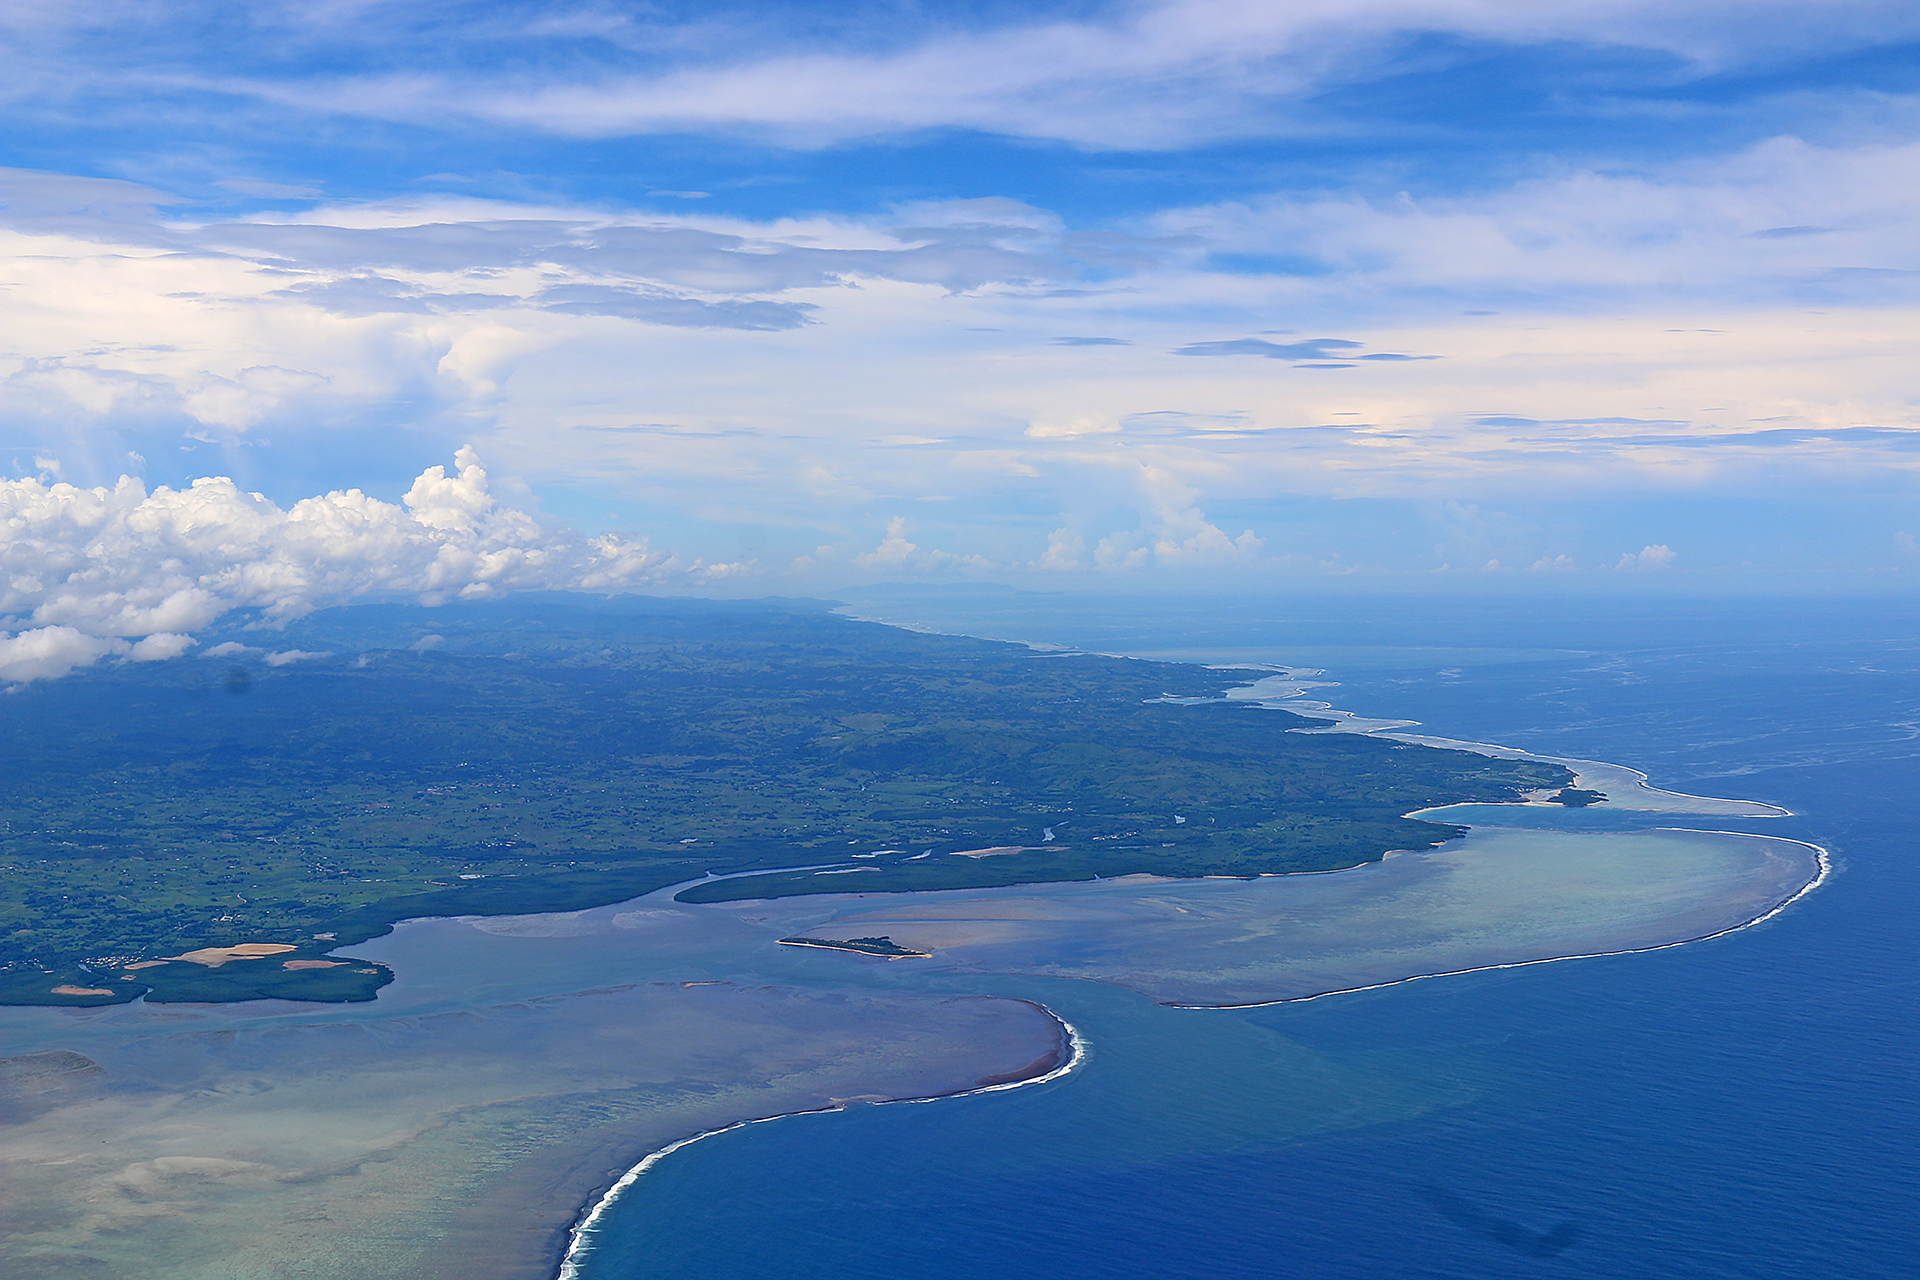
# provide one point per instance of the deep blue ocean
(1743, 1107)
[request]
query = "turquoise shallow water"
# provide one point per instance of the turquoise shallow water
(1739, 1107)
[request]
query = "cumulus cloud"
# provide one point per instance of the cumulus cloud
(1176, 533)
(1652, 557)
(160, 646)
(45, 652)
(1066, 552)
(895, 552)
(88, 573)
(286, 657)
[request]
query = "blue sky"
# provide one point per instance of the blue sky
(1386, 293)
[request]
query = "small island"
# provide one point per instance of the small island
(883, 947)
(1575, 798)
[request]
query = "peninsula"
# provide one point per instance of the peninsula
(558, 752)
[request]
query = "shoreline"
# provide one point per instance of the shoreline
(578, 1237)
(1066, 1057)
(1823, 860)
(1339, 721)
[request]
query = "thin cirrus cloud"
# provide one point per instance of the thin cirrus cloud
(1311, 349)
(1681, 230)
(1140, 75)
(653, 308)
(1313, 353)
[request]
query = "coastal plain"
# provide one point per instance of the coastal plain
(555, 753)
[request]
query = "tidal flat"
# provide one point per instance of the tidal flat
(271, 1139)
(1499, 897)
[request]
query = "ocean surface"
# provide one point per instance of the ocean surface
(1739, 1107)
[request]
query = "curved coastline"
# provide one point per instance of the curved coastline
(1070, 1053)
(1597, 772)
(1295, 681)
(1823, 861)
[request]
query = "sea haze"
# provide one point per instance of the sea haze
(1732, 1108)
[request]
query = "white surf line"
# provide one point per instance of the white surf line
(1077, 1049)
(1350, 722)
(580, 1235)
(1344, 721)
(1822, 858)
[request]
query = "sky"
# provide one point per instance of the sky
(312, 302)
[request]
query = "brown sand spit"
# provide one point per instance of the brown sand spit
(214, 957)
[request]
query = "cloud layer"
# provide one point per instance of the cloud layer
(1495, 284)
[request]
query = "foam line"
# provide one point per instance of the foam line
(1823, 859)
(580, 1235)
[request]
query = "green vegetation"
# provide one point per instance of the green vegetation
(555, 753)
(882, 946)
(1575, 798)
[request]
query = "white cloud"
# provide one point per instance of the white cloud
(1068, 428)
(1178, 533)
(1649, 342)
(896, 553)
(45, 652)
(86, 568)
(288, 656)
(1653, 557)
(160, 646)
(1781, 219)
(1066, 552)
